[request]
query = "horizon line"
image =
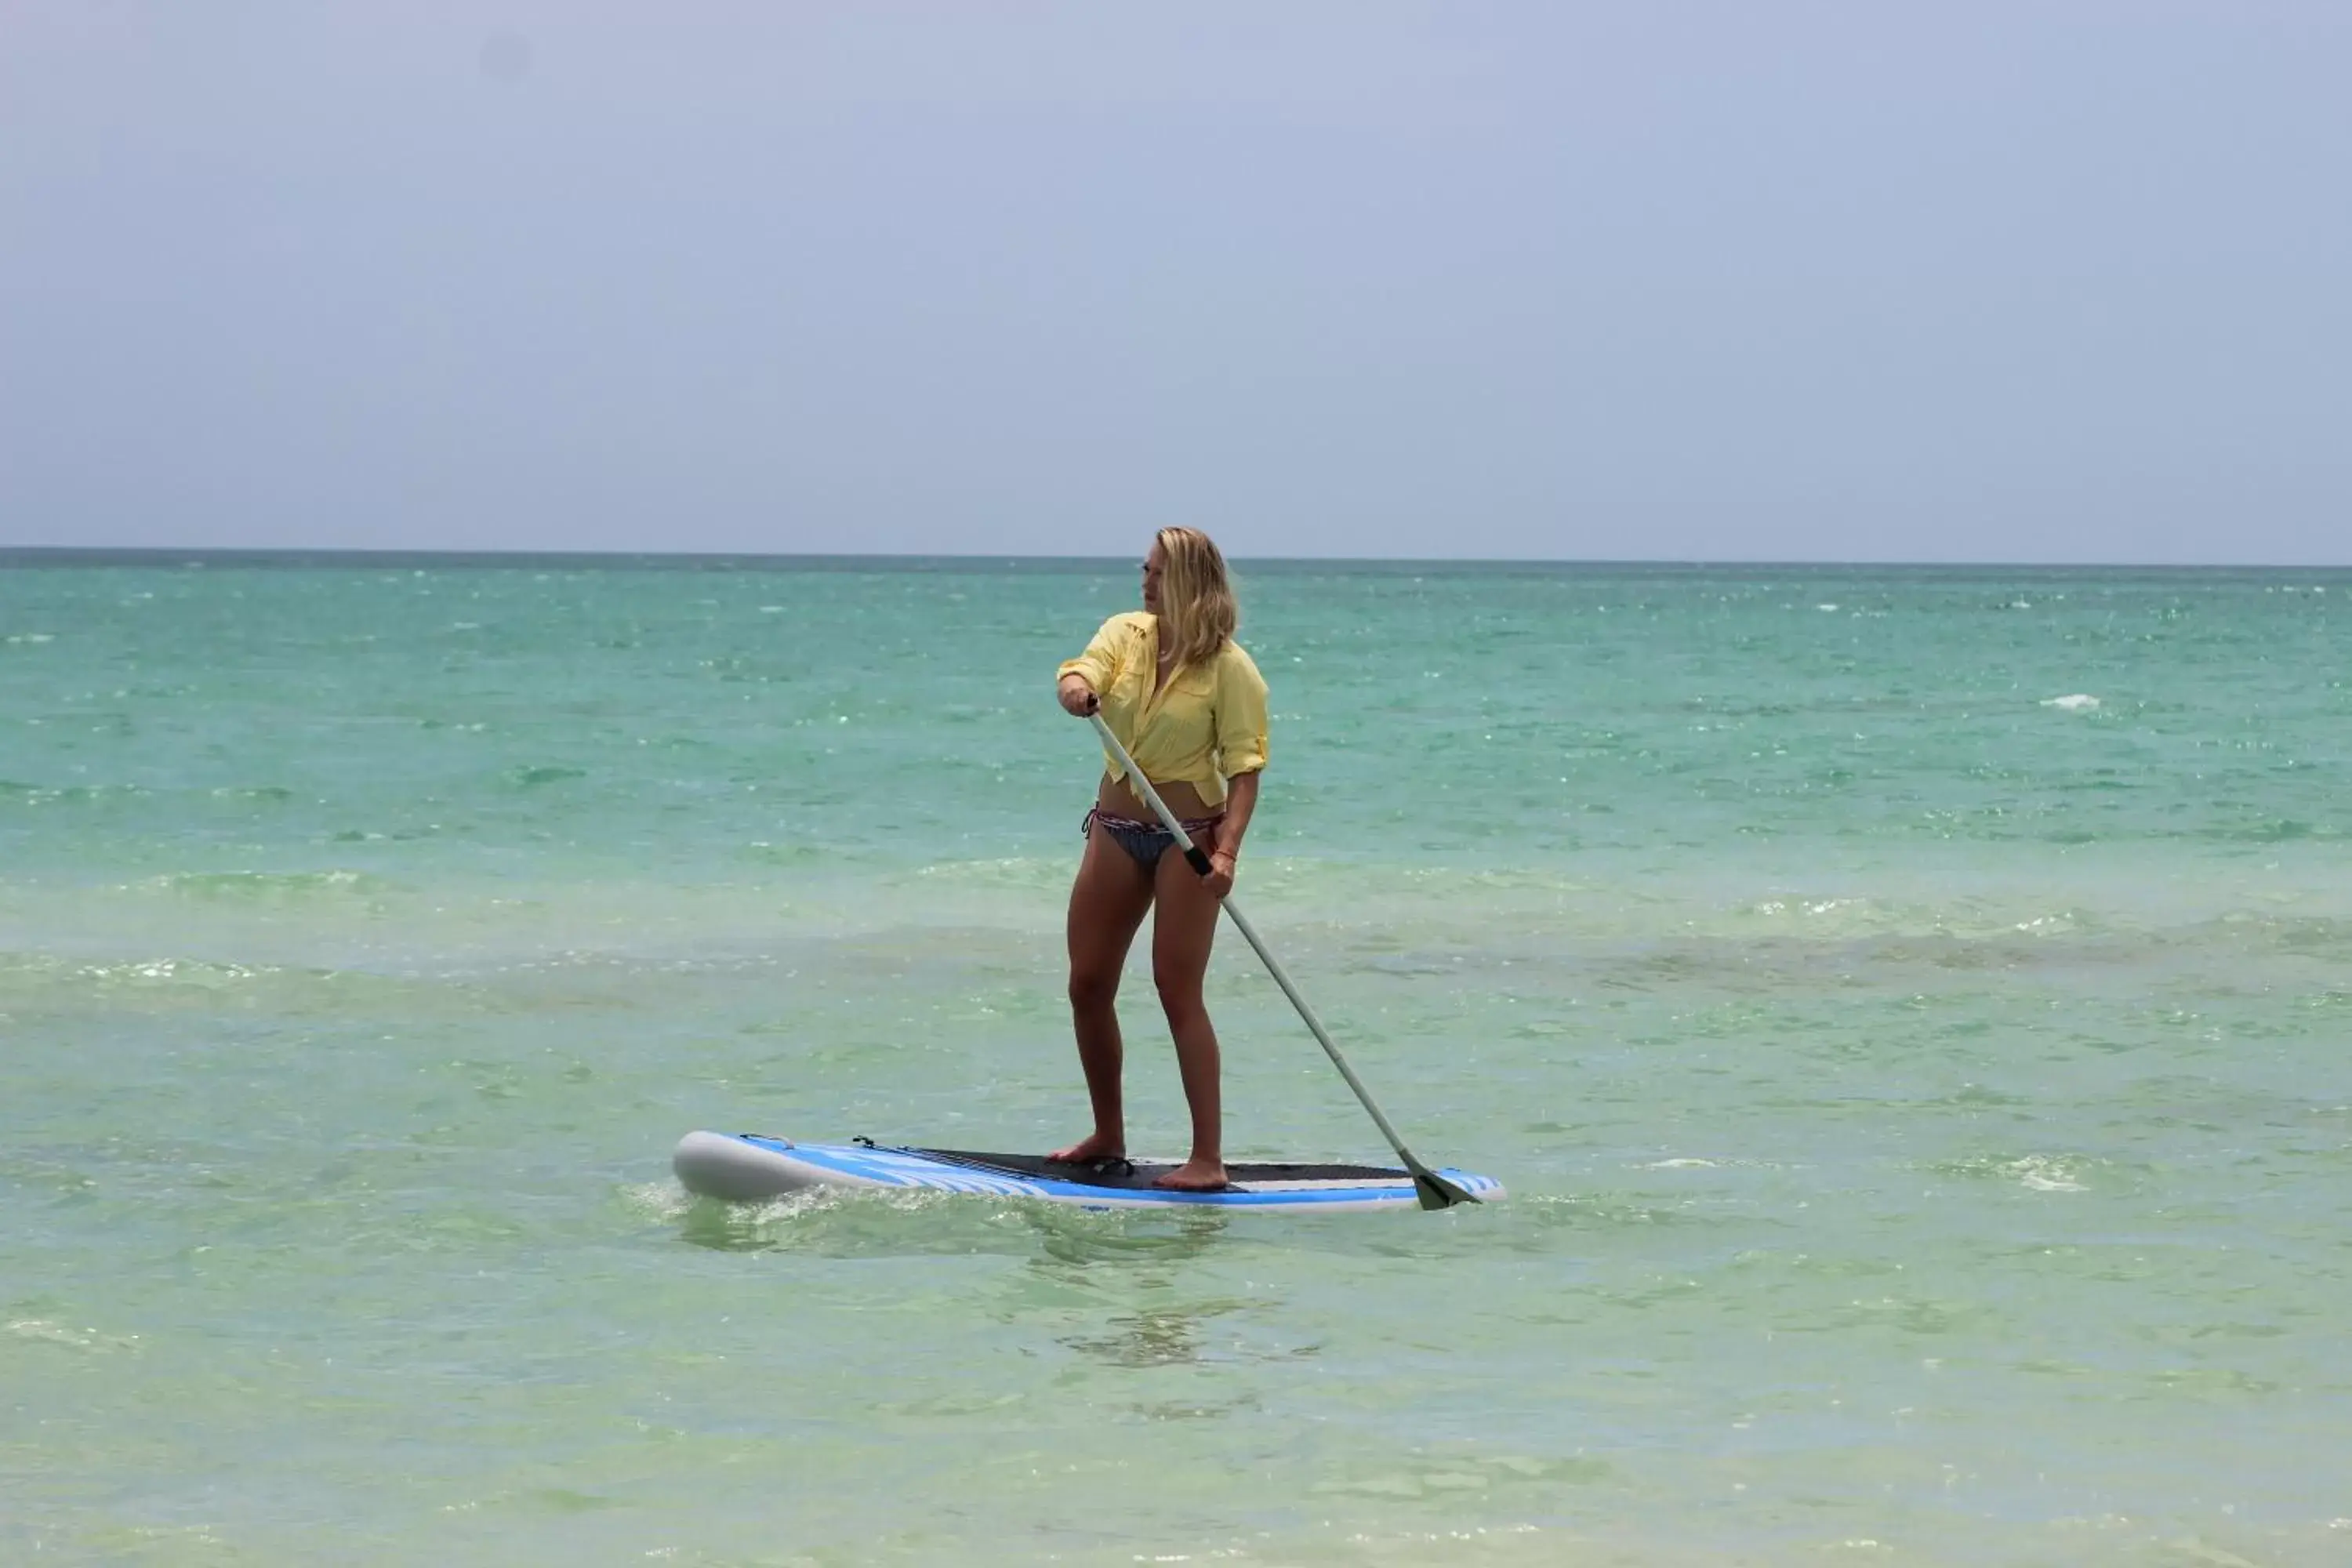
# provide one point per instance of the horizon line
(82, 554)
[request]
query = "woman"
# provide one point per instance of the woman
(1190, 706)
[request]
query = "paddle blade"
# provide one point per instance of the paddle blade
(1436, 1192)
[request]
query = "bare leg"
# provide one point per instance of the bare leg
(1181, 934)
(1106, 904)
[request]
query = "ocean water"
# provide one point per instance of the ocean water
(1909, 1007)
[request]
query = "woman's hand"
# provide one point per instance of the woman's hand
(1078, 697)
(1220, 879)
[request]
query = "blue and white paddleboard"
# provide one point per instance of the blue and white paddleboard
(753, 1166)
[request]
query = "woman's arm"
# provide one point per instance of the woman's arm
(1079, 682)
(1241, 799)
(1241, 746)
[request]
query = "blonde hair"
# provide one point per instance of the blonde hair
(1198, 613)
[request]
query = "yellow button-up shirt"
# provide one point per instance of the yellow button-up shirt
(1205, 726)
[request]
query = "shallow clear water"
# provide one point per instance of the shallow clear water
(1910, 1009)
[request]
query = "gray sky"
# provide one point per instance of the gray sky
(2047, 280)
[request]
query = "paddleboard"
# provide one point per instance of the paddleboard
(745, 1166)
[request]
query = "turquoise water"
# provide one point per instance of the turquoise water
(1910, 1009)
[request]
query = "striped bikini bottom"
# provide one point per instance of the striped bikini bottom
(1145, 841)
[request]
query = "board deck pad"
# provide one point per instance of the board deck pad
(1129, 1174)
(750, 1166)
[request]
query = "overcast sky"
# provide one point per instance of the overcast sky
(2051, 280)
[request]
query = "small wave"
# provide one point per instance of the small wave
(55, 1334)
(852, 1222)
(1815, 907)
(2274, 830)
(798, 853)
(34, 971)
(188, 971)
(266, 887)
(2045, 1173)
(2048, 925)
(1014, 873)
(528, 778)
(47, 794)
(2038, 1173)
(661, 1201)
(2073, 703)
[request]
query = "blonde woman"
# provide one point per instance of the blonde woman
(1190, 706)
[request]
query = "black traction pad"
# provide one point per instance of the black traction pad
(1120, 1174)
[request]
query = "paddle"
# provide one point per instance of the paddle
(1436, 1191)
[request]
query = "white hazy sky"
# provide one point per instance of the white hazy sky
(2004, 280)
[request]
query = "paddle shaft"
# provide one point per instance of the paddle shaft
(1423, 1177)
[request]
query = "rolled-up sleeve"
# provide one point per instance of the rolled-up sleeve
(1241, 716)
(1099, 664)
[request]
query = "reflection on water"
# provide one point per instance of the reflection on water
(1126, 1255)
(1158, 1336)
(1079, 1237)
(1121, 1263)
(1180, 1333)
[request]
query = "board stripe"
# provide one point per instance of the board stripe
(748, 1166)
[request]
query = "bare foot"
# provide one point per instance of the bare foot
(1196, 1177)
(1094, 1146)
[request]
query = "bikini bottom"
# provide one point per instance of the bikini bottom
(1145, 842)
